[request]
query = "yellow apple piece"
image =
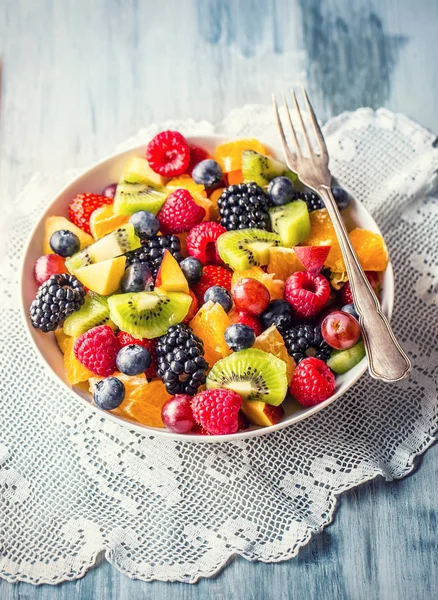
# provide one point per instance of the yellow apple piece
(103, 277)
(262, 414)
(53, 224)
(170, 277)
(138, 170)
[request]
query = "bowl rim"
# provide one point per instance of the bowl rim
(162, 432)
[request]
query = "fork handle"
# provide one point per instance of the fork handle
(386, 358)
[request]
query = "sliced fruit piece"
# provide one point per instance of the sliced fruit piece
(312, 257)
(214, 210)
(138, 170)
(103, 221)
(116, 243)
(275, 286)
(322, 233)
(93, 312)
(53, 224)
(61, 339)
(144, 404)
(229, 155)
(170, 277)
(272, 341)
(254, 374)
(234, 177)
(209, 324)
(148, 314)
(262, 414)
(132, 197)
(131, 383)
(370, 249)
(283, 262)
(262, 169)
(75, 371)
(103, 277)
(342, 361)
(246, 248)
(291, 221)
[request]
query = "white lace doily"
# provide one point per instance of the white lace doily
(73, 484)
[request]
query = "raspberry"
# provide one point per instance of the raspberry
(247, 319)
(197, 155)
(307, 294)
(201, 242)
(179, 213)
(194, 307)
(373, 278)
(217, 410)
(212, 275)
(81, 207)
(312, 382)
(126, 339)
(168, 154)
(97, 350)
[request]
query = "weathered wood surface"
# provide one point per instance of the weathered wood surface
(80, 76)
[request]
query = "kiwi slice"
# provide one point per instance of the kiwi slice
(132, 197)
(92, 313)
(246, 248)
(253, 374)
(148, 314)
(116, 243)
(291, 221)
(342, 361)
(261, 169)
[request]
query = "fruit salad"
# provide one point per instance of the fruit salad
(199, 292)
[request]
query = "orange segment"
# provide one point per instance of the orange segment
(183, 243)
(61, 339)
(214, 197)
(75, 371)
(131, 383)
(229, 155)
(196, 189)
(209, 325)
(275, 286)
(283, 262)
(234, 177)
(272, 341)
(103, 221)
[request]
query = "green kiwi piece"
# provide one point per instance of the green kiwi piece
(116, 243)
(342, 361)
(92, 313)
(291, 222)
(246, 248)
(261, 169)
(131, 197)
(148, 314)
(253, 374)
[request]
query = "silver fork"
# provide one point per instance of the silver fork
(386, 358)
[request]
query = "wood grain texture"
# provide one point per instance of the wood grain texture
(80, 76)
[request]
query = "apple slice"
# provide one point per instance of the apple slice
(313, 257)
(170, 277)
(103, 277)
(260, 413)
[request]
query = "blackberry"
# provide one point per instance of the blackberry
(302, 341)
(152, 250)
(56, 299)
(180, 360)
(244, 206)
(312, 200)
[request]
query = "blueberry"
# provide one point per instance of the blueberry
(342, 198)
(146, 225)
(192, 269)
(137, 278)
(218, 294)
(110, 190)
(208, 173)
(133, 359)
(281, 191)
(109, 393)
(279, 313)
(351, 310)
(65, 243)
(239, 336)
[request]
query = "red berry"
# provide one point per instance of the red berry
(168, 154)
(312, 382)
(242, 421)
(246, 319)
(126, 339)
(97, 350)
(201, 242)
(251, 296)
(177, 414)
(307, 294)
(200, 430)
(347, 296)
(212, 275)
(48, 265)
(197, 155)
(179, 213)
(81, 207)
(340, 330)
(194, 307)
(217, 410)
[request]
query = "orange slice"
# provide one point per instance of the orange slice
(145, 403)
(214, 197)
(272, 341)
(283, 262)
(234, 177)
(209, 325)
(229, 155)
(75, 371)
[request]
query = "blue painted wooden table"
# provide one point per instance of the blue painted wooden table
(80, 76)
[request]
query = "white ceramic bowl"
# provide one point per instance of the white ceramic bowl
(94, 180)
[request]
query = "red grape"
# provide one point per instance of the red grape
(177, 414)
(110, 190)
(340, 330)
(251, 296)
(48, 265)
